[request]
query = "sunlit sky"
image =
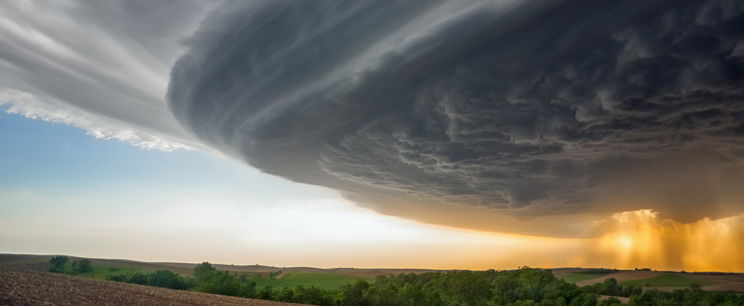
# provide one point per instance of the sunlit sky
(64, 192)
(469, 134)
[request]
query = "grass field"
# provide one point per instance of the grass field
(289, 280)
(295, 279)
(665, 280)
(579, 276)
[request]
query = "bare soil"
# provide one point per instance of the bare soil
(26, 287)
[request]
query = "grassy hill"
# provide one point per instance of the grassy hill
(264, 276)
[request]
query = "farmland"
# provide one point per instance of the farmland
(660, 280)
(264, 276)
(351, 286)
(26, 287)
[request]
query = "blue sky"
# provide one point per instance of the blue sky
(57, 157)
(65, 192)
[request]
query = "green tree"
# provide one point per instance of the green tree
(219, 282)
(612, 301)
(166, 279)
(354, 294)
(57, 263)
(695, 286)
(266, 293)
(203, 269)
(312, 295)
(82, 266)
(585, 299)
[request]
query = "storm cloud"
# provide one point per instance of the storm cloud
(521, 109)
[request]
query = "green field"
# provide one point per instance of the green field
(289, 280)
(665, 280)
(295, 279)
(579, 276)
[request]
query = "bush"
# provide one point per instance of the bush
(203, 269)
(82, 266)
(162, 278)
(57, 263)
(166, 279)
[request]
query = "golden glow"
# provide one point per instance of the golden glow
(641, 239)
(332, 232)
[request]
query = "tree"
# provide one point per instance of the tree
(203, 269)
(166, 279)
(695, 286)
(82, 266)
(57, 263)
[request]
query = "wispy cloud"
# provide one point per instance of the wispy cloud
(98, 65)
(27, 105)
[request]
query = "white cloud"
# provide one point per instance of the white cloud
(27, 105)
(102, 66)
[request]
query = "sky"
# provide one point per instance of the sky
(330, 133)
(64, 192)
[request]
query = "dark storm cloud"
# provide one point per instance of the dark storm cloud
(531, 108)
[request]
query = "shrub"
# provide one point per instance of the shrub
(82, 266)
(57, 263)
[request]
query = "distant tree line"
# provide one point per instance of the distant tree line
(610, 287)
(598, 271)
(58, 264)
(525, 286)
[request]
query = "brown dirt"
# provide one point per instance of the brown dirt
(25, 287)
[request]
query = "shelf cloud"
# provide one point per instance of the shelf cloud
(514, 109)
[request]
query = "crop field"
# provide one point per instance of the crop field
(663, 280)
(666, 280)
(24, 287)
(579, 276)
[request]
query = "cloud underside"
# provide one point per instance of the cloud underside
(479, 114)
